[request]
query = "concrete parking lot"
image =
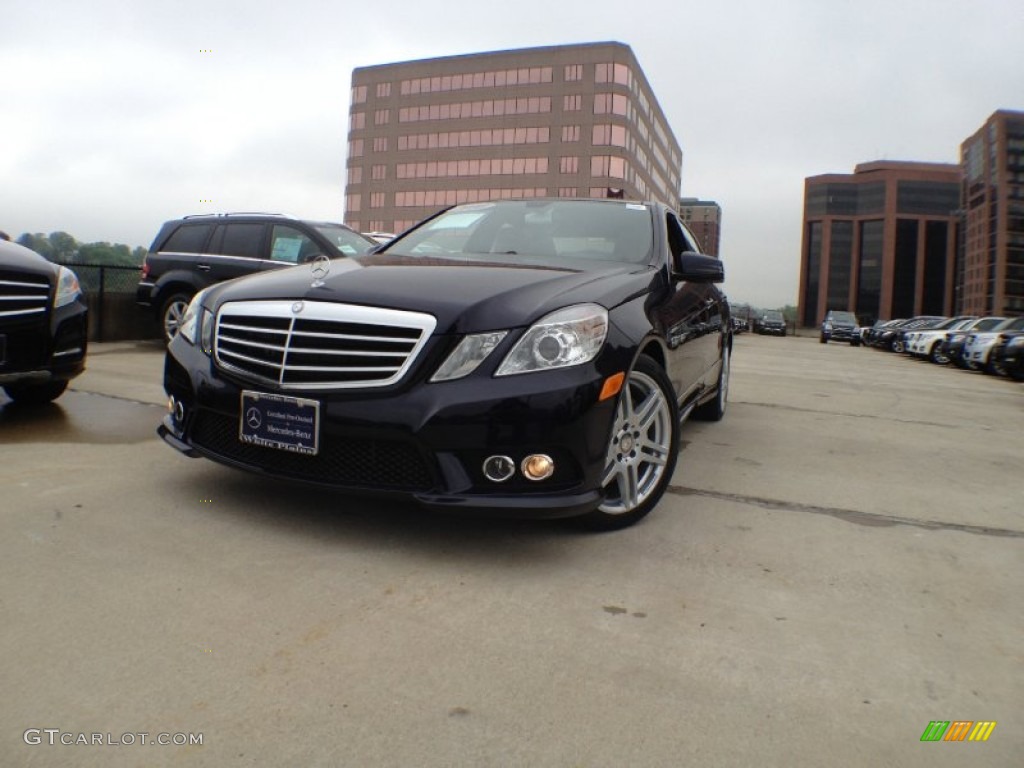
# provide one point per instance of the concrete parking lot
(837, 564)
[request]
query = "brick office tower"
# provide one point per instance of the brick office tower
(991, 279)
(880, 242)
(704, 218)
(560, 121)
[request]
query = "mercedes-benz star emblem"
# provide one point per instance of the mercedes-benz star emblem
(297, 307)
(253, 418)
(320, 266)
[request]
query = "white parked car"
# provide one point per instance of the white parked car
(928, 342)
(979, 345)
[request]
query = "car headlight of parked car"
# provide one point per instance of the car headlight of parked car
(68, 288)
(192, 322)
(570, 336)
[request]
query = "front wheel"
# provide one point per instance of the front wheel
(642, 449)
(172, 312)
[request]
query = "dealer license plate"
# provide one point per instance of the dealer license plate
(276, 421)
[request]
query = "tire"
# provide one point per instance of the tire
(714, 410)
(936, 355)
(854, 342)
(896, 345)
(642, 449)
(35, 394)
(171, 312)
(822, 340)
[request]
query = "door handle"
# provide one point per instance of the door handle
(203, 267)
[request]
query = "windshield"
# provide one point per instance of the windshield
(345, 240)
(773, 316)
(578, 234)
(843, 317)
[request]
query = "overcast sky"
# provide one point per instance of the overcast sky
(115, 120)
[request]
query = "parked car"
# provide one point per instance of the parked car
(928, 342)
(771, 322)
(869, 336)
(194, 252)
(739, 325)
(43, 326)
(1008, 355)
(953, 345)
(527, 357)
(840, 326)
(892, 336)
(979, 344)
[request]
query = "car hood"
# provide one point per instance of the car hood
(464, 298)
(19, 258)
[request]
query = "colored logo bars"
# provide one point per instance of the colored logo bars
(958, 730)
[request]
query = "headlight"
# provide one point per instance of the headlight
(828, 326)
(68, 289)
(570, 336)
(190, 324)
(465, 358)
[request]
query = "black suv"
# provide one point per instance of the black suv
(840, 326)
(772, 322)
(194, 252)
(42, 326)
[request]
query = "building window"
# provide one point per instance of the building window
(480, 138)
(567, 191)
(609, 135)
(381, 117)
(376, 199)
(573, 72)
(612, 73)
(570, 133)
(355, 174)
(379, 172)
(568, 165)
(572, 102)
(612, 103)
(355, 148)
(605, 165)
(357, 121)
(383, 90)
(380, 144)
(358, 94)
(353, 203)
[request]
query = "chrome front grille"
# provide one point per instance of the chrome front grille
(302, 345)
(23, 296)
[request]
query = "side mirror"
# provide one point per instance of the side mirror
(698, 268)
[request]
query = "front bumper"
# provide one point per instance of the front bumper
(51, 348)
(421, 441)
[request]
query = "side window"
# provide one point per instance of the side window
(292, 246)
(188, 238)
(237, 240)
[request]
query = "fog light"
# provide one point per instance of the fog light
(537, 466)
(179, 412)
(170, 404)
(498, 469)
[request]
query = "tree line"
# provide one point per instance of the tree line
(62, 247)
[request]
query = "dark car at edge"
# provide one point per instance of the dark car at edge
(43, 326)
(527, 358)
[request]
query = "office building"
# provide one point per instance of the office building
(560, 121)
(881, 242)
(704, 218)
(992, 267)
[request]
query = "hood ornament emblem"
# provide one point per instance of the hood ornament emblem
(298, 306)
(320, 267)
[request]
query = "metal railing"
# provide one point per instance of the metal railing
(104, 285)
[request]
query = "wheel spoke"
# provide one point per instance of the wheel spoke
(649, 408)
(628, 486)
